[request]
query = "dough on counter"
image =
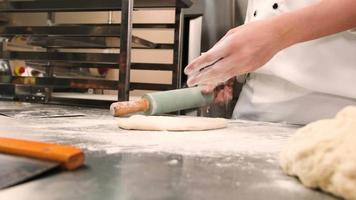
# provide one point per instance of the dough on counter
(166, 123)
(323, 154)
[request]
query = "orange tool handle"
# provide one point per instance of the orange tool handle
(119, 109)
(69, 157)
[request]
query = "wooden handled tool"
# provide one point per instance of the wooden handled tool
(163, 102)
(69, 157)
(127, 107)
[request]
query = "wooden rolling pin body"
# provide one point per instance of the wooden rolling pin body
(163, 102)
(69, 157)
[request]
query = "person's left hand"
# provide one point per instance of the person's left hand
(241, 50)
(222, 93)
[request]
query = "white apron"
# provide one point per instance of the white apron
(302, 83)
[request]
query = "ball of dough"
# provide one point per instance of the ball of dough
(323, 154)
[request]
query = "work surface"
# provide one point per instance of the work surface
(240, 162)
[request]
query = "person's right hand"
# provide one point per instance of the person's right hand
(241, 50)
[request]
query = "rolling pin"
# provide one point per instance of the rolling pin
(68, 157)
(163, 102)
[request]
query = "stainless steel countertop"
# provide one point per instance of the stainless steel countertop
(240, 162)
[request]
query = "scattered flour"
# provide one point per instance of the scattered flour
(101, 134)
(173, 162)
(279, 181)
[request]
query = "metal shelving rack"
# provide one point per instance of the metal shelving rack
(55, 37)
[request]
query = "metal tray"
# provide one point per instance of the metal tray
(84, 5)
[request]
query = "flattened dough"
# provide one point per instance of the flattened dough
(323, 154)
(166, 123)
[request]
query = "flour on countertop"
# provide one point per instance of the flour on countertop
(245, 153)
(101, 134)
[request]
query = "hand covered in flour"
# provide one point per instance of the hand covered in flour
(222, 93)
(241, 50)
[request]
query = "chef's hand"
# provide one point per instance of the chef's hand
(241, 50)
(222, 93)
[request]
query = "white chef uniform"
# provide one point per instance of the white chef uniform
(303, 83)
